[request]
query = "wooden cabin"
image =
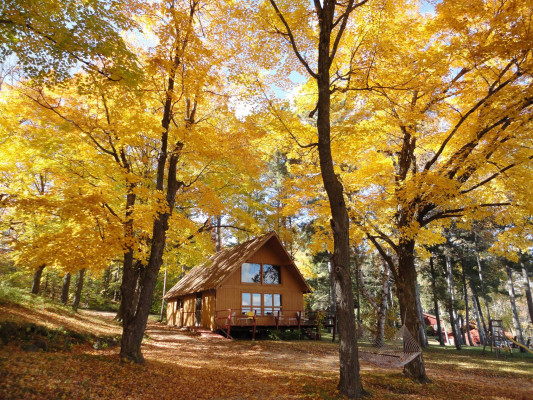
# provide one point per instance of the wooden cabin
(255, 283)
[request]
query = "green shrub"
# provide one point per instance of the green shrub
(285, 335)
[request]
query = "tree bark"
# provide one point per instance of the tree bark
(406, 287)
(478, 322)
(163, 297)
(467, 312)
(36, 285)
(527, 289)
(512, 298)
(135, 316)
(483, 290)
(450, 302)
(79, 288)
(485, 330)
(423, 331)
(435, 301)
(350, 383)
(65, 288)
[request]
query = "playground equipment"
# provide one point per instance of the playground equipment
(521, 345)
(498, 340)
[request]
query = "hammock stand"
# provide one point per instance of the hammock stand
(400, 350)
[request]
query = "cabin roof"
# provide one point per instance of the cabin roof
(220, 265)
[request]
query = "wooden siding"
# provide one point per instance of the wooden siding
(172, 312)
(229, 293)
(187, 315)
(208, 309)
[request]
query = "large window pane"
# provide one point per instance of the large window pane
(251, 273)
(257, 299)
(271, 274)
(246, 299)
(277, 300)
(268, 300)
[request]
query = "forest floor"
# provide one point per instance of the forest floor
(76, 357)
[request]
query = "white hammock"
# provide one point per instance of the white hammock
(400, 350)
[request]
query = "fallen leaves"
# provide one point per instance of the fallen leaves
(184, 365)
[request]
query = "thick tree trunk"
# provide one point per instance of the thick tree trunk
(135, 313)
(79, 288)
(435, 301)
(65, 288)
(406, 288)
(350, 383)
(527, 289)
(512, 298)
(450, 302)
(36, 285)
(467, 312)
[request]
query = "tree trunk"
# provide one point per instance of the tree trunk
(65, 288)
(483, 290)
(350, 383)
(527, 289)
(382, 315)
(163, 297)
(478, 322)
(462, 329)
(435, 301)
(116, 293)
(467, 312)
(512, 297)
(478, 303)
(450, 302)
(36, 285)
(423, 331)
(406, 288)
(135, 318)
(79, 287)
(107, 279)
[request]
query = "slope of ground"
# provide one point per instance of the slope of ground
(185, 365)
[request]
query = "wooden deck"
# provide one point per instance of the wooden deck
(226, 320)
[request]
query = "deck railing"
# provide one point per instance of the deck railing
(237, 317)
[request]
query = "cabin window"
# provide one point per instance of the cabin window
(251, 302)
(271, 274)
(261, 273)
(251, 273)
(262, 304)
(272, 303)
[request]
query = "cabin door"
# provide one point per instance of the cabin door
(198, 309)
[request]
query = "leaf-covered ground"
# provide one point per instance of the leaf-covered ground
(185, 365)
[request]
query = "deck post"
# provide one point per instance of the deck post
(334, 327)
(277, 322)
(255, 322)
(228, 322)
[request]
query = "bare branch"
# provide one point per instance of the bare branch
(292, 40)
